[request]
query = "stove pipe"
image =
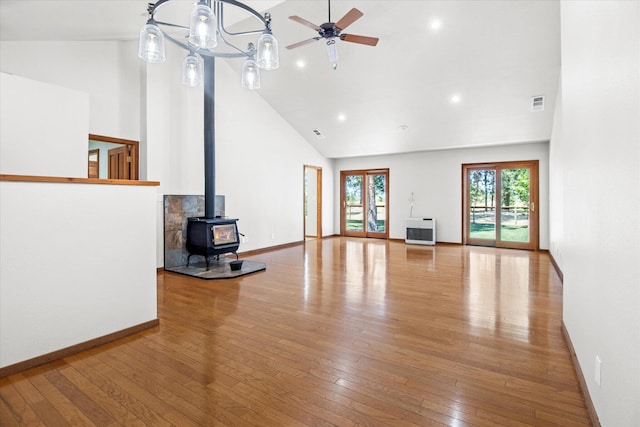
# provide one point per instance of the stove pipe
(209, 137)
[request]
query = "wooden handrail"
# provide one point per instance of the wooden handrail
(59, 179)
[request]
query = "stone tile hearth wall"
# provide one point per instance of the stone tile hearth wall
(177, 208)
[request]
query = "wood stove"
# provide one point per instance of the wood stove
(209, 237)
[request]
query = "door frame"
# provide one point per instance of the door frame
(343, 203)
(318, 170)
(534, 195)
(95, 152)
(134, 152)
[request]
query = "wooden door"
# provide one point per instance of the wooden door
(119, 163)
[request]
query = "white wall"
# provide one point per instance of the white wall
(596, 194)
(435, 179)
(61, 281)
(109, 71)
(259, 157)
(43, 128)
(260, 166)
(556, 186)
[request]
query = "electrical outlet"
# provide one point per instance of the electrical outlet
(597, 371)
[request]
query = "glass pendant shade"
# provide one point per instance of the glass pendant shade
(191, 71)
(250, 75)
(202, 28)
(151, 44)
(267, 55)
(332, 51)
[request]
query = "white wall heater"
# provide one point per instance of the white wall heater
(421, 231)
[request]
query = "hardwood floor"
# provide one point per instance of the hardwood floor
(337, 332)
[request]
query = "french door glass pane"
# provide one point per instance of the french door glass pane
(482, 210)
(353, 207)
(376, 209)
(514, 205)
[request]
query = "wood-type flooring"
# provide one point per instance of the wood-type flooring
(341, 331)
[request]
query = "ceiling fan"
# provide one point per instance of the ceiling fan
(332, 31)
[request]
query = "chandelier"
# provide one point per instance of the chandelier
(207, 37)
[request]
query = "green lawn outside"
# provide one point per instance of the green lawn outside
(356, 225)
(510, 233)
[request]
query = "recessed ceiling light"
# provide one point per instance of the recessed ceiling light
(435, 24)
(403, 128)
(455, 99)
(342, 117)
(300, 63)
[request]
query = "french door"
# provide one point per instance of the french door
(364, 203)
(500, 203)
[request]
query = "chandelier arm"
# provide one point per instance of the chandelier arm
(168, 24)
(204, 52)
(179, 43)
(243, 33)
(247, 53)
(220, 15)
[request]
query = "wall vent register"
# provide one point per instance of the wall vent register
(420, 231)
(537, 103)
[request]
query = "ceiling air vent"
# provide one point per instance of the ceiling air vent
(318, 134)
(537, 103)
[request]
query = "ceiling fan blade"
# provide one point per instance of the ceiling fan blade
(349, 18)
(371, 41)
(302, 43)
(304, 22)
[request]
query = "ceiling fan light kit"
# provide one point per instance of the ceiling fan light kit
(206, 26)
(332, 51)
(332, 31)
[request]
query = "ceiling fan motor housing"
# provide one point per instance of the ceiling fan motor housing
(329, 30)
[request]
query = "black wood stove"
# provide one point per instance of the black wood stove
(212, 237)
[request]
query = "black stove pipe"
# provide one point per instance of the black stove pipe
(209, 138)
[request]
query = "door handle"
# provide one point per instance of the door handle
(533, 207)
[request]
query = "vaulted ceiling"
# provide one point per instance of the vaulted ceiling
(468, 82)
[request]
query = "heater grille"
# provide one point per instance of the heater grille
(421, 231)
